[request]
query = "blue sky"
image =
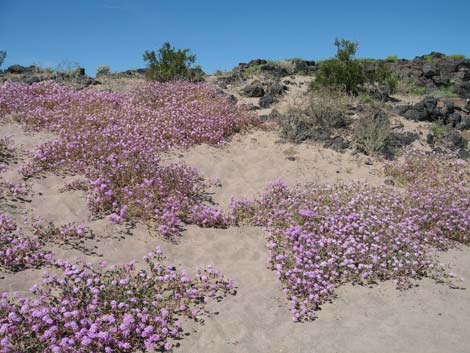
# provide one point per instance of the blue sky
(224, 33)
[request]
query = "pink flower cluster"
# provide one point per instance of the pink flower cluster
(119, 309)
(17, 251)
(438, 195)
(115, 139)
(322, 236)
(13, 190)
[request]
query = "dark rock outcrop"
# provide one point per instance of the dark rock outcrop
(266, 101)
(253, 90)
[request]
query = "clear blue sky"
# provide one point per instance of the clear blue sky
(224, 33)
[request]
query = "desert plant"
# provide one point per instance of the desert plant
(456, 56)
(169, 64)
(372, 131)
(384, 76)
(318, 115)
(342, 71)
(391, 58)
(445, 92)
(103, 70)
(3, 55)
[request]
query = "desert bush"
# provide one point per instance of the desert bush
(87, 308)
(384, 76)
(391, 58)
(3, 55)
(342, 71)
(68, 68)
(169, 64)
(409, 85)
(103, 70)
(457, 56)
(372, 131)
(320, 112)
(448, 91)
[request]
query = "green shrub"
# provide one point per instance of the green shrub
(445, 92)
(456, 56)
(103, 70)
(169, 64)
(343, 71)
(391, 59)
(320, 113)
(384, 76)
(418, 90)
(372, 131)
(3, 55)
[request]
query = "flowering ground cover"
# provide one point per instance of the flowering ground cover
(322, 236)
(319, 237)
(116, 309)
(115, 139)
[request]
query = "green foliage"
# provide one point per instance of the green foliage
(3, 55)
(440, 131)
(169, 64)
(391, 58)
(343, 71)
(456, 56)
(384, 76)
(103, 70)
(445, 92)
(430, 59)
(419, 90)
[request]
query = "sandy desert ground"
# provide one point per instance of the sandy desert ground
(428, 318)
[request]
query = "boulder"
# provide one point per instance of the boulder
(266, 101)
(464, 124)
(274, 70)
(277, 89)
(17, 69)
(253, 90)
(463, 89)
(338, 144)
(249, 106)
(302, 66)
(257, 62)
(429, 71)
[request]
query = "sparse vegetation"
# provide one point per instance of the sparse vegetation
(317, 116)
(445, 92)
(391, 58)
(457, 56)
(3, 55)
(170, 64)
(382, 75)
(68, 68)
(103, 70)
(372, 131)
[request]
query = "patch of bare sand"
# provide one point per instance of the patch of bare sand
(429, 318)
(248, 163)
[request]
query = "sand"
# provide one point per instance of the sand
(429, 318)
